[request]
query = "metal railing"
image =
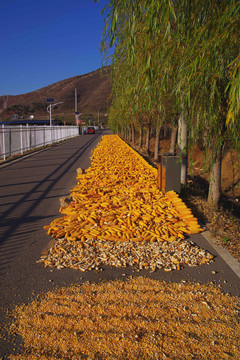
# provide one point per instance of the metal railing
(18, 139)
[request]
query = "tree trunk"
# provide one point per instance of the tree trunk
(182, 146)
(148, 138)
(133, 134)
(162, 133)
(165, 132)
(140, 137)
(172, 149)
(122, 131)
(157, 143)
(215, 182)
(129, 134)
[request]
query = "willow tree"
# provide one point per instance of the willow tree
(207, 65)
(125, 26)
(153, 47)
(120, 112)
(126, 97)
(198, 63)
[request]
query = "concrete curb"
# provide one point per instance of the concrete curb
(225, 255)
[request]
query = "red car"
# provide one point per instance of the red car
(90, 130)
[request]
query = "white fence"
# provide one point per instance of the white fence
(18, 139)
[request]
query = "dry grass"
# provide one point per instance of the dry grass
(137, 319)
(223, 223)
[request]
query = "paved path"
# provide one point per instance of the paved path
(30, 189)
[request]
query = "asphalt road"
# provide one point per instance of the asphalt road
(30, 189)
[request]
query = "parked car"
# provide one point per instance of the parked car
(90, 130)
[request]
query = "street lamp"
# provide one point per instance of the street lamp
(49, 109)
(77, 115)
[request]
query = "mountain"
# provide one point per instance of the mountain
(93, 96)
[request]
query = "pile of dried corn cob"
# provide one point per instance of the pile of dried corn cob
(117, 200)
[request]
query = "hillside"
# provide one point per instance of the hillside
(93, 95)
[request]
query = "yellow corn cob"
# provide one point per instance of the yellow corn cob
(112, 194)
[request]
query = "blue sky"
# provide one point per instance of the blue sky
(45, 41)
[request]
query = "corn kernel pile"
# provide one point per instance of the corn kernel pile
(117, 201)
(139, 319)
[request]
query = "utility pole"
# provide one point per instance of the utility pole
(76, 100)
(77, 114)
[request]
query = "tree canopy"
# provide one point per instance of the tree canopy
(173, 56)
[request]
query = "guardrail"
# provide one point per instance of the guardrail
(18, 139)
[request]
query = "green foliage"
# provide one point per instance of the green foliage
(173, 56)
(24, 110)
(38, 107)
(20, 109)
(225, 239)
